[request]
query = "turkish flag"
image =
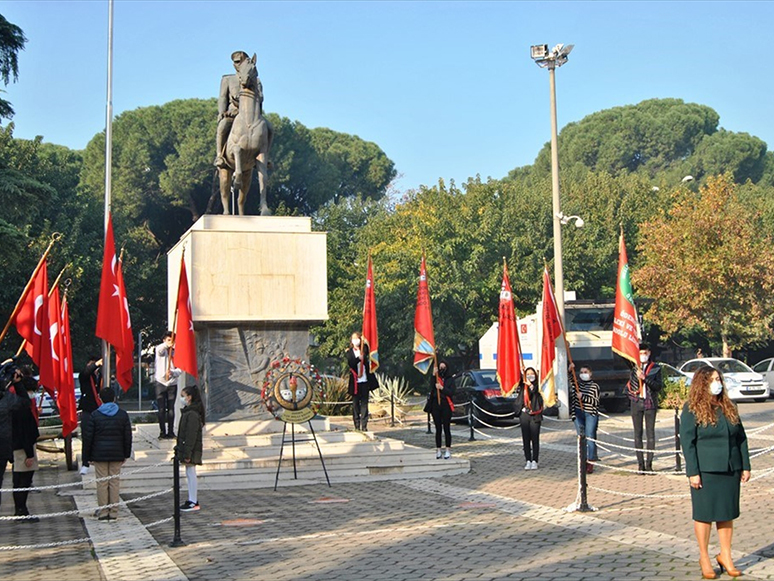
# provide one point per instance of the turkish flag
(370, 334)
(65, 397)
(54, 330)
(184, 356)
(31, 322)
(424, 338)
(552, 330)
(124, 355)
(110, 303)
(509, 363)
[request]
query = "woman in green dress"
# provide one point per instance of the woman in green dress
(716, 462)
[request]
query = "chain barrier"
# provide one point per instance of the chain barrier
(651, 472)
(492, 414)
(44, 545)
(79, 511)
(599, 442)
(83, 482)
(638, 495)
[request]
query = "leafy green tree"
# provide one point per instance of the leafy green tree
(707, 265)
(12, 40)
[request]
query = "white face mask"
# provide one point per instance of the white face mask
(585, 376)
(182, 398)
(356, 342)
(716, 387)
(531, 378)
(644, 358)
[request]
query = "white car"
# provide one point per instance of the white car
(742, 383)
(46, 404)
(766, 369)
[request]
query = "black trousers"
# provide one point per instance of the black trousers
(442, 419)
(3, 466)
(21, 480)
(639, 413)
(166, 414)
(530, 436)
(360, 407)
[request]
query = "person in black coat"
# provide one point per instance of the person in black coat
(189, 448)
(440, 406)
(24, 428)
(528, 406)
(361, 380)
(645, 383)
(107, 443)
(9, 403)
(90, 379)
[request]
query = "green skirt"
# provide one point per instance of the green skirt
(718, 497)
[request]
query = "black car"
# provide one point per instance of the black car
(490, 405)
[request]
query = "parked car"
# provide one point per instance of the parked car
(742, 382)
(481, 385)
(46, 404)
(766, 369)
(669, 373)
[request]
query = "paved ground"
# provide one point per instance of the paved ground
(497, 522)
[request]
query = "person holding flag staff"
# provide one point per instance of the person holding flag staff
(643, 387)
(440, 406)
(165, 378)
(361, 380)
(528, 406)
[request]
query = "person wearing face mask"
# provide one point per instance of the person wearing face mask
(440, 406)
(584, 410)
(189, 442)
(645, 383)
(361, 380)
(717, 461)
(529, 409)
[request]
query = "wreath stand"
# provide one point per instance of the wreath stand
(293, 445)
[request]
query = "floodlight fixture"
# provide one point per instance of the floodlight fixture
(550, 59)
(564, 219)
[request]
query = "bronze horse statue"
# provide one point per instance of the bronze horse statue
(248, 143)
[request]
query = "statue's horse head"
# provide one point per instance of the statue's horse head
(247, 74)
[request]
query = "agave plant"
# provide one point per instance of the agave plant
(397, 387)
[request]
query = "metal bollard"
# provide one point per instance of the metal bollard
(471, 418)
(584, 503)
(678, 462)
(176, 541)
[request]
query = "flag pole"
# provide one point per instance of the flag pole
(55, 237)
(108, 165)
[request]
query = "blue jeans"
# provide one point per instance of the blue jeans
(587, 423)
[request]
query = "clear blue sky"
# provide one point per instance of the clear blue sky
(446, 89)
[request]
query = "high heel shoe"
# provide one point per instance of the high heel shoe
(723, 567)
(707, 573)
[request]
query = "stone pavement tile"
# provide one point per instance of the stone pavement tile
(66, 561)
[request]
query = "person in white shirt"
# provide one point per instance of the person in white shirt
(165, 379)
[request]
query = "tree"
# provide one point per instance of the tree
(12, 41)
(707, 265)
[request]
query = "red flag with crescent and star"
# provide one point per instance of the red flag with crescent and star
(55, 336)
(184, 356)
(32, 324)
(65, 397)
(509, 363)
(124, 355)
(110, 304)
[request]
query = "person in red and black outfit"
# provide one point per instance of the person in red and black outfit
(361, 380)
(529, 409)
(440, 406)
(644, 385)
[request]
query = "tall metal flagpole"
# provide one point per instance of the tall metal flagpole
(108, 169)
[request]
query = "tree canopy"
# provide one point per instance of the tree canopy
(12, 40)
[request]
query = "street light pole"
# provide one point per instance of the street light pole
(551, 59)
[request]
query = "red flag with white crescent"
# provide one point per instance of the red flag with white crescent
(65, 397)
(110, 304)
(124, 355)
(184, 356)
(509, 363)
(55, 337)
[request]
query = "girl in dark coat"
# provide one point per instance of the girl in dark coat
(361, 380)
(189, 442)
(440, 407)
(24, 436)
(529, 409)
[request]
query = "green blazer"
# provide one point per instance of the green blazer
(718, 448)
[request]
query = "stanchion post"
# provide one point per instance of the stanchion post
(392, 410)
(584, 503)
(176, 541)
(678, 463)
(471, 417)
